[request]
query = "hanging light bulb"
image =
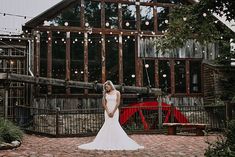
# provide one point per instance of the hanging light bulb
(86, 24)
(146, 23)
(185, 18)
(106, 24)
(204, 14)
(127, 24)
(133, 75)
(66, 23)
(166, 21)
(146, 65)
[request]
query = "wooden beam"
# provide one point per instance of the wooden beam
(95, 30)
(75, 84)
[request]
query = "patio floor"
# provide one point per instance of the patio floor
(155, 145)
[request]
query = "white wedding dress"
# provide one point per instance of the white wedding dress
(111, 135)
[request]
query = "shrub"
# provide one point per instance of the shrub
(9, 132)
(225, 145)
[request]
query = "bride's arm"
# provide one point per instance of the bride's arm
(104, 103)
(117, 102)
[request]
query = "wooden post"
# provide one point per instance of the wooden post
(187, 77)
(172, 67)
(6, 102)
(120, 60)
(103, 58)
(37, 63)
(160, 112)
(172, 120)
(49, 61)
(86, 59)
(68, 60)
(156, 74)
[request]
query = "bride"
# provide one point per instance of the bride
(111, 135)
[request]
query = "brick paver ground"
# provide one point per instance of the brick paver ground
(155, 146)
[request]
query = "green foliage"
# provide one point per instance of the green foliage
(9, 132)
(196, 22)
(225, 145)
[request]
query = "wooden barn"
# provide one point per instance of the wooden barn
(92, 41)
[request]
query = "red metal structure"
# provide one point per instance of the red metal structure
(128, 112)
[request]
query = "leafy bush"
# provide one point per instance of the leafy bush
(225, 145)
(9, 132)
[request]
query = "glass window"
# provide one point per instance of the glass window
(164, 73)
(147, 47)
(162, 18)
(195, 76)
(69, 16)
(92, 14)
(129, 76)
(147, 19)
(43, 59)
(43, 54)
(129, 16)
(180, 77)
(77, 59)
(148, 73)
(58, 58)
(94, 57)
(111, 44)
(111, 15)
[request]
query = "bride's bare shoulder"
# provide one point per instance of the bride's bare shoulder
(118, 93)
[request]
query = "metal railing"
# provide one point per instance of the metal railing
(84, 122)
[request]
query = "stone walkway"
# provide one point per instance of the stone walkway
(155, 146)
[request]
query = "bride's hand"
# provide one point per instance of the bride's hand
(110, 114)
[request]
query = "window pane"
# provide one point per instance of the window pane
(43, 60)
(147, 19)
(111, 45)
(70, 16)
(92, 14)
(94, 57)
(195, 76)
(148, 73)
(164, 76)
(129, 16)
(162, 18)
(111, 15)
(180, 77)
(77, 59)
(129, 60)
(58, 58)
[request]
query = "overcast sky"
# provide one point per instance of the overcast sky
(28, 8)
